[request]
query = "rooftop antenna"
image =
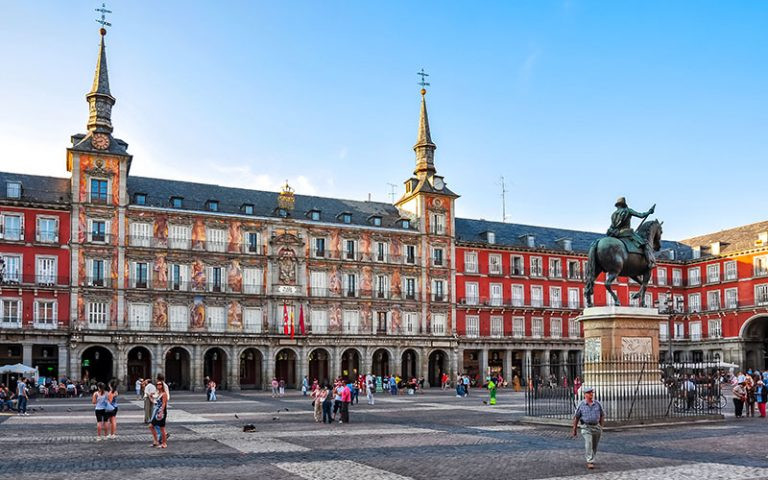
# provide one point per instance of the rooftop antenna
(503, 200)
(392, 188)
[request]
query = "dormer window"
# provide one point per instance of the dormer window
(714, 248)
(177, 202)
(13, 190)
(565, 243)
(530, 240)
(696, 252)
(346, 217)
(314, 215)
(282, 212)
(490, 237)
(140, 198)
(405, 224)
(375, 221)
(213, 205)
(247, 209)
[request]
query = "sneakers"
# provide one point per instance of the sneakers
(590, 466)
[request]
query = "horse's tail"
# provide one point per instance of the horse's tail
(590, 271)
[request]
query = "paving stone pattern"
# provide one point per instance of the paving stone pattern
(434, 435)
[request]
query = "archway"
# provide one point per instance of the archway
(318, 366)
(96, 364)
(285, 367)
(408, 365)
(438, 363)
(177, 369)
(380, 363)
(250, 369)
(215, 366)
(139, 365)
(350, 363)
(496, 363)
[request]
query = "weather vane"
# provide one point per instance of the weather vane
(423, 76)
(103, 21)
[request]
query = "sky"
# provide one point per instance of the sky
(573, 102)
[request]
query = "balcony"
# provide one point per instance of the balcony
(98, 282)
(98, 237)
(13, 234)
(31, 280)
(47, 237)
(99, 198)
(439, 297)
(10, 323)
(492, 302)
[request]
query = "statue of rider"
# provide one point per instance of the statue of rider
(621, 228)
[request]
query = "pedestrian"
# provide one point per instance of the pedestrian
(137, 387)
(465, 381)
(443, 381)
(355, 387)
(149, 399)
(690, 392)
(99, 400)
(739, 397)
(318, 396)
(370, 389)
(207, 384)
(346, 400)
(22, 396)
(161, 378)
(159, 414)
(589, 413)
(750, 386)
(281, 386)
(305, 386)
(275, 385)
(492, 391)
(212, 387)
(327, 405)
(338, 387)
(111, 410)
(761, 396)
(576, 385)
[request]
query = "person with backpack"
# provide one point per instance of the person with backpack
(590, 415)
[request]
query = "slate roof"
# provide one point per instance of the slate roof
(36, 188)
(513, 234)
(731, 240)
(195, 195)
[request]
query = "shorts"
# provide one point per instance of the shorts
(101, 416)
(110, 414)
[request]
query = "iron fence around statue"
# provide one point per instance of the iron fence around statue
(630, 389)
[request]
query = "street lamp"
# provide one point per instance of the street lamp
(668, 310)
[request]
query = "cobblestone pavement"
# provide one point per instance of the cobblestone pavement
(434, 435)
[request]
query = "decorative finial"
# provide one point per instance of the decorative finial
(103, 20)
(423, 82)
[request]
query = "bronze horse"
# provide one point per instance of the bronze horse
(610, 255)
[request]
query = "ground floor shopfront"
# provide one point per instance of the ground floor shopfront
(42, 349)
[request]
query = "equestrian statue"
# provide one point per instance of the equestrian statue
(624, 252)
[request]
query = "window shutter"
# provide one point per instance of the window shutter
(21, 226)
(37, 229)
(89, 233)
(2, 225)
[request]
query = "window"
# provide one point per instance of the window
(438, 292)
(574, 299)
(138, 314)
(178, 236)
(216, 239)
(12, 275)
(536, 268)
(46, 314)
(351, 285)
(677, 277)
(663, 331)
(351, 321)
(11, 313)
(97, 231)
(438, 224)
(381, 323)
(217, 321)
(177, 202)
(350, 249)
(252, 320)
(555, 268)
(346, 218)
(694, 303)
(694, 276)
(411, 323)
(97, 273)
(731, 298)
(567, 245)
(282, 212)
(382, 286)
(470, 262)
(497, 297)
(46, 271)
(679, 304)
(713, 300)
(761, 294)
(537, 296)
(319, 250)
(213, 205)
(410, 289)
(314, 215)
(471, 293)
(438, 324)
(573, 270)
(140, 199)
(518, 327)
(410, 254)
(715, 328)
(141, 234)
(494, 264)
(555, 297)
(516, 262)
(13, 227)
(694, 328)
(555, 327)
(537, 327)
(376, 221)
(713, 273)
(518, 296)
(679, 330)
(317, 284)
(761, 266)
(661, 276)
(405, 224)
(97, 315)
(437, 257)
(382, 251)
(497, 326)
(730, 271)
(140, 275)
(13, 190)
(248, 210)
(215, 275)
(179, 318)
(252, 242)
(179, 277)
(573, 328)
(491, 237)
(473, 326)
(319, 321)
(530, 241)
(47, 230)
(98, 190)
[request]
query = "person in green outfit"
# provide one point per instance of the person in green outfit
(492, 390)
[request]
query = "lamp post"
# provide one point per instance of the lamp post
(668, 310)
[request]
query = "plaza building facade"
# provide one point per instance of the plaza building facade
(239, 285)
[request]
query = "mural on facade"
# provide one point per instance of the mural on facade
(287, 266)
(82, 226)
(365, 318)
(335, 248)
(396, 325)
(160, 268)
(365, 246)
(113, 270)
(366, 284)
(334, 281)
(396, 247)
(335, 318)
(234, 237)
(198, 275)
(108, 167)
(80, 309)
(81, 274)
(397, 287)
(113, 311)
(198, 234)
(160, 314)
(235, 316)
(235, 277)
(197, 319)
(161, 230)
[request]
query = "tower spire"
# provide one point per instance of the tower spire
(424, 148)
(100, 100)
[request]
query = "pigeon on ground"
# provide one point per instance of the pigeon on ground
(69, 409)
(236, 416)
(275, 419)
(485, 402)
(249, 428)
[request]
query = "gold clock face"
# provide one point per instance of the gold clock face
(100, 141)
